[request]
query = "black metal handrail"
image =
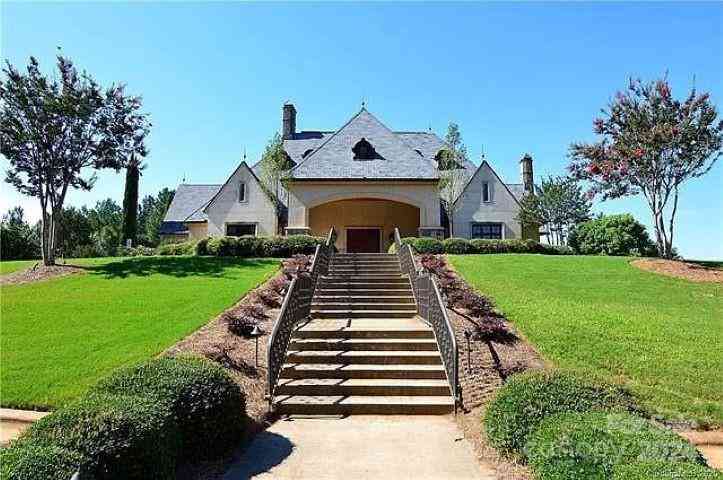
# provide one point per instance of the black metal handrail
(294, 310)
(431, 308)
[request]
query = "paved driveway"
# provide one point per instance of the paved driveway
(360, 447)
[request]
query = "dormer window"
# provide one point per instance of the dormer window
(307, 153)
(363, 150)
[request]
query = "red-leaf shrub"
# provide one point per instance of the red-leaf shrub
(269, 297)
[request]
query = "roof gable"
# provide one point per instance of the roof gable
(494, 174)
(242, 165)
(334, 158)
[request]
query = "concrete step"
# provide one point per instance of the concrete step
(350, 314)
(364, 285)
(364, 263)
(367, 356)
(365, 276)
(372, 256)
(370, 282)
(373, 328)
(341, 271)
(364, 292)
(362, 386)
(353, 370)
(367, 405)
(319, 306)
(343, 344)
(357, 299)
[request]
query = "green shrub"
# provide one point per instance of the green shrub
(303, 244)
(249, 246)
(611, 235)
(664, 471)
(182, 248)
(588, 445)
(201, 248)
(275, 247)
(117, 436)
(222, 246)
(207, 404)
(27, 461)
(424, 244)
(457, 246)
(528, 398)
(392, 248)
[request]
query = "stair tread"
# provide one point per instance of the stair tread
(320, 306)
(366, 324)
(364, 382)
(365, 340)
(341, 367)
(361, 297)
(364, 400)
(365, 353)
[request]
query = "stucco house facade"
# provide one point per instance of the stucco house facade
(364, 179)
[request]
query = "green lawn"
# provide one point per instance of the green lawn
(60, 336)
(15, 265)
(662, 335)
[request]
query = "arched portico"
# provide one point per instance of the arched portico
(364, 224)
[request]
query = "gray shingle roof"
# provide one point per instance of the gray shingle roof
(517, 189)
(188, 203)
(303, 142)
(333, 157)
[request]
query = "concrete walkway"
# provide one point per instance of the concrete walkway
(360, 447)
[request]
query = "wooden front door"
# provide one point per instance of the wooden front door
(363, 240)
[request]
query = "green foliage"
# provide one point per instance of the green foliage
(457, 246)
(201, 247)
(424, 244)
(207, 404)
(528, 398)
(106, 220)
(588, 445)
(222, 246)
(117, 436)
(558, 203)
(18, 240)
(130, 200)
(138, 251)
(27, 461)
(611, 235)
(651, 144)
(150, 218)
(659, 470)
(182, 248)
(249, 246)
(303, 244)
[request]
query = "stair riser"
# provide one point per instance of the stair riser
(400, 409)
(376, 293)
(352, 301)
(343, 314)
(364, 346)
(364, 334)
(364, 285)
(335, 390)
(377, 374)
(361, 359)
(359, 256)
(363, 271)
(362, 306)
(394, 264)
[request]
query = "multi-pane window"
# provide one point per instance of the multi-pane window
(241, 192)
(485, 192)
(487, 230)
(240, 229)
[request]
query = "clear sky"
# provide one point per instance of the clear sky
(516, 77)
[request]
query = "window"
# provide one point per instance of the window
(363, 150)
(485, 192)
(240, 229)
(242, 192)
(487, 230)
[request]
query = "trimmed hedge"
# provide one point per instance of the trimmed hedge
(664, 471)
(249, 246)
(530, 397)
(183, 248)
(116, 436)
(461, 246)
(206, 403)
(27, 461)
(588, 445)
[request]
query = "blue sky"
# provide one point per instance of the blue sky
(516, 77)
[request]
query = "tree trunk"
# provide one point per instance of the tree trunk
(44, 238)
(130, 204)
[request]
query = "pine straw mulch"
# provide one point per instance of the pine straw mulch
(489, 365)
(40, 272)
(679, 269)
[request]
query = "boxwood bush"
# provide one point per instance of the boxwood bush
(528, 398)
(115, 436)
(424, 244)
(588, 445)
(183, 248)
(206, 403)
(657, 470)
(28, 461)
(457, 246)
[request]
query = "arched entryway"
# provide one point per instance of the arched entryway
(364, 224)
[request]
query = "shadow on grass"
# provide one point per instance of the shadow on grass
(174, 266)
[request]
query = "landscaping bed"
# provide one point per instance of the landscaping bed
(688, 271)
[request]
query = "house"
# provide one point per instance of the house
(364, 179)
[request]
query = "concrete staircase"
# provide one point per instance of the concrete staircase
(365, 350)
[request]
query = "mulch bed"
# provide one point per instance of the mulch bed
(40, 272)
(481, 374)
(685, 270)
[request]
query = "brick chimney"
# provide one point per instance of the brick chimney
(288, 125)
(527, 175)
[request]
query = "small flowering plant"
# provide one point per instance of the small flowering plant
(650, 143)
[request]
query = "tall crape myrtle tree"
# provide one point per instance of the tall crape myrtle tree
(275, 164)
(452, 174)
(56, 132)
(558, 203)
(650, 144)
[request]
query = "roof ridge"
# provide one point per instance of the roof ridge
(200, 184)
